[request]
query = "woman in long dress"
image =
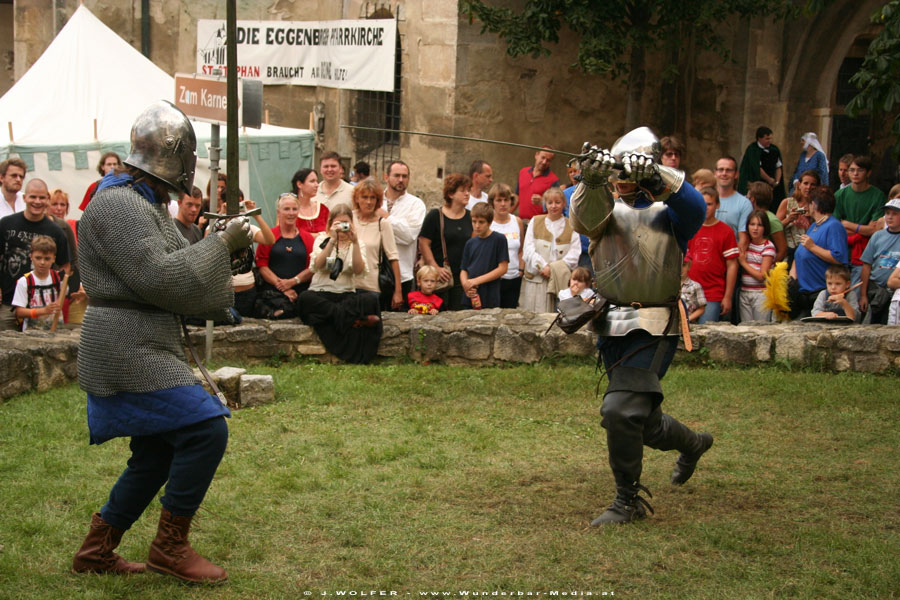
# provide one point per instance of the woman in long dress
(811, 159)
(550, 253)
(453, 223)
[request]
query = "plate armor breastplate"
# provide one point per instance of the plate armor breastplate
(637, 260)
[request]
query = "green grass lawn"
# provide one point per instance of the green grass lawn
(446, 479)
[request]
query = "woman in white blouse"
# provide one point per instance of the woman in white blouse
(550, 252)
(348, 324)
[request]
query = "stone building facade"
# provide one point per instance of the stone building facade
(789, 76)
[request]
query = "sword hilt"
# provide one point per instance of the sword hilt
(249, 213)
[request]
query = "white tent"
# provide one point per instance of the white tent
(81, 97)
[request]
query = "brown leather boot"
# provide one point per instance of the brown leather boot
(171, 553)
(96, 553)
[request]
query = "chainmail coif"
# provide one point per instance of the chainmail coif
(129, 250)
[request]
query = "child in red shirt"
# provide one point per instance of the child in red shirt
(424, 301)
(714, 251)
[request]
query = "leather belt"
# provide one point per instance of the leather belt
(123, 304)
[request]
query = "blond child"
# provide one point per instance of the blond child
(691, 293)
(836, 300)
(424, 301)
(703, 178)
(36, 298)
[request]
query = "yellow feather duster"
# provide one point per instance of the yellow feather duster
(777, 291)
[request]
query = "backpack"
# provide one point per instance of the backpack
(32, 286)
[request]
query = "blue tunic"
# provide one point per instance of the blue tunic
(149, 413)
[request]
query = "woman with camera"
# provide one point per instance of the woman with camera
(793, 212)
(347, 323)
(283, 265)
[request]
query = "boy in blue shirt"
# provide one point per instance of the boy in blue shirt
(484, 261)
(881, 256)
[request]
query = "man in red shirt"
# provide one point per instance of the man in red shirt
(533, 182)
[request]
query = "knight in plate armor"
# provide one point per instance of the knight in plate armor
(639, 216)
(141, 275)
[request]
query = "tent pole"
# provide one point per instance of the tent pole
(231, 157)
(214, 153)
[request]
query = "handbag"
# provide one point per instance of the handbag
(574, 313)
(385, 273)
(444, 285)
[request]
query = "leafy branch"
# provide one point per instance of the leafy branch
(878, 80)
(610, 30)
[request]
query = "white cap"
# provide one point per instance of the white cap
(893, 203)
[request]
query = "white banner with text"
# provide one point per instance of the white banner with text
(348, 54)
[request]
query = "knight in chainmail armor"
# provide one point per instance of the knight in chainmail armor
(639, 216)
(141, 276)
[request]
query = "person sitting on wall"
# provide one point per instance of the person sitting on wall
(284, 264)
(347, 323)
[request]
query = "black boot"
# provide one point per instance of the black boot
(687, 460)
(624, 417)
(665, 432)
(627, 507)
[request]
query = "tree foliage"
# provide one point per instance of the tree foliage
(608, 31)
(879, 77)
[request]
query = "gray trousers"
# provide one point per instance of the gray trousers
(8, 318)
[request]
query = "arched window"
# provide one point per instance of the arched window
(379, 109)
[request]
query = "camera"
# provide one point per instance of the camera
(343, 227)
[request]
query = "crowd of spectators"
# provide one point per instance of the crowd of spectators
(344, 249)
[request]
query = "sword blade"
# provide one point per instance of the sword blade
(463, 138)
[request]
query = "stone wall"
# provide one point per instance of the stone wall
(466, 337)
(39, 360)
(36, 360)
